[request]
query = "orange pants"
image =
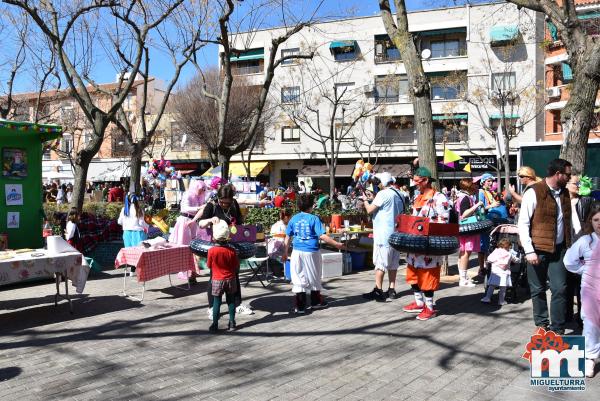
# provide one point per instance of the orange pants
(426, 279)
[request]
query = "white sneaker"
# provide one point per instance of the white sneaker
(590, 366)
(502, 303)
(466, 283)
(209, 312)
(244, 309)
(486, 300)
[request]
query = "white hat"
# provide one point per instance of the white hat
(220, 231)
(385, 178)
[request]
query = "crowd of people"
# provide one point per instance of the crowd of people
(558, 226)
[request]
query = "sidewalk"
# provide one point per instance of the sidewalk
(114, 348)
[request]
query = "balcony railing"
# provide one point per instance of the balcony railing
(253, 69)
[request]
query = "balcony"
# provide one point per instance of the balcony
(246, 70)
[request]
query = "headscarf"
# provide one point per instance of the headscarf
(216, 182)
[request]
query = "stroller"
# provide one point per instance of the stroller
(519, 269)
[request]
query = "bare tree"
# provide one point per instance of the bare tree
(226, 39)
(327, 108)
(14, 28)
(584, 58)
(195, 113)
(138, 131)
(81, 32)
(419, 88)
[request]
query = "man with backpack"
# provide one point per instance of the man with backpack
(384, 207)
(423, 271)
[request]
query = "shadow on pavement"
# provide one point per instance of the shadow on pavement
(9, 373)
(44, 312)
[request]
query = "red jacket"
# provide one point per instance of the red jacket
(223, 262)
(116, 194)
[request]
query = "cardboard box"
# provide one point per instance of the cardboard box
(422, 226)
(333, 263)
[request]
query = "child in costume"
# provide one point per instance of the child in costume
(306, 267)
(275, 245)
(132, 220)
(500, 258)
(224, 265)
(72, 234)
(583, 258)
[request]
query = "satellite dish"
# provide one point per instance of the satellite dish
(426, 54)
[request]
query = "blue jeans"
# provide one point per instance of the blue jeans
(552, 269)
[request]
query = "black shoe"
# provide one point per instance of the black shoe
(376, 294)
(231, 326)
(192, 281)
(391, 293)
(560, 332)
(214, 328)
(298, 311)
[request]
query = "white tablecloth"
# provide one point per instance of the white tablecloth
(39, 263)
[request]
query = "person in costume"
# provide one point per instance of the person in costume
(581, 258)
(131, 219)
(500, 258)
(423, 271)
(192, 203)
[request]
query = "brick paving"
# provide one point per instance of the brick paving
(115, 348)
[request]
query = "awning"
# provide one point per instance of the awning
(437, 32)
(396, 170)
(252, 54)
(498, 116)
(338, 44)
(556, 105)
(567, 72)
(108, 171)
(500, 35)
(589, 15)
(450, 117)
(342, 170)
(185, 172)
(238, 169)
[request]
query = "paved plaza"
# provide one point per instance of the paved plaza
(114, 348)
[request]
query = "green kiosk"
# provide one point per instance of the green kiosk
(21, 214)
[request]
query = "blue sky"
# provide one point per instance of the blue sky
(300, 9)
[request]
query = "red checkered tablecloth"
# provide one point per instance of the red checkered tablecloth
(153, 263)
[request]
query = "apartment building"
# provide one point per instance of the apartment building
(473, 55)
(558, 74)
(111, 163)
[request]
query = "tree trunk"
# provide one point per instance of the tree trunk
(224, 163)
(80, 175)
(136, 171)
(417, 81)
(576, 119)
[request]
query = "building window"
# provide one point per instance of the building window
(179, 138)
(343, 91)
(450, 130)
(445, 48)
(21, 113)
(247, 67)
(504, 81)
(293, 51)
(399, 129)
(385, 50)
(391, 88)
(345, 50)
(290, 94)
(342, 130)
(66, 143)
(511, 123)
(448, 86)
(290, 134)
(47, 155)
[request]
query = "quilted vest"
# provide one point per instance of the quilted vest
(543, 221)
